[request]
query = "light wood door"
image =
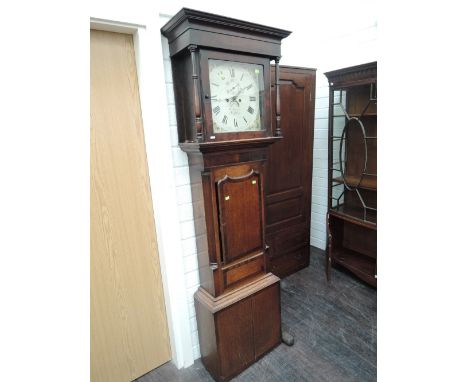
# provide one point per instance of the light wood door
(129, 334)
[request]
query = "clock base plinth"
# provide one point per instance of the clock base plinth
(239, 327)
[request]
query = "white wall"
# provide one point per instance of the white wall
(184, 202)
(327, 36)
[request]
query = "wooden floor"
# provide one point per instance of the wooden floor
(335, 330)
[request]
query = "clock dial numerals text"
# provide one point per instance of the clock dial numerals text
(237, 103)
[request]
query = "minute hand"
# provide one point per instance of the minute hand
(240, 91)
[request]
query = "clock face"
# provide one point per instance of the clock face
(236, 96)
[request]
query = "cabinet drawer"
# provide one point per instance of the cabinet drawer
(289, 263)
(288, 240)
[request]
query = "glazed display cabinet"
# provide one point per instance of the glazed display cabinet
(352, 171)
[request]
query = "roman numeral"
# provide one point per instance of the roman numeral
(235, 123)
(245, 120)
(242, 77)
(248, 87)
(214, 84)
(216, 110)
(250, 110)
(225, 119)
(253, 98)
(231, 70)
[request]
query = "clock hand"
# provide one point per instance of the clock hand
(230, 90)
(241, 90)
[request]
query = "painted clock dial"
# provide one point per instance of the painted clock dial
(237, 91)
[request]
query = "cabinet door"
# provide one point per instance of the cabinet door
(289, 174)
(240, 215)
(266, 319)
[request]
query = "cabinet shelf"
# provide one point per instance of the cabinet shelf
(368, 182)
(361, 265)
(358, 115)
(355, 215)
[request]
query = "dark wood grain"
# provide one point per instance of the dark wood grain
(236, 333)
(289, 173)
(266, 316)
(215, 31)
(239, 327)
(335, 330)
(240, 215)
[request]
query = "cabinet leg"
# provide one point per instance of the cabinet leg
(328, 258)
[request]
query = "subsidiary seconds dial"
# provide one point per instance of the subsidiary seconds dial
(236, 89)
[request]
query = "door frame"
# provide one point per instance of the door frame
(152, 89)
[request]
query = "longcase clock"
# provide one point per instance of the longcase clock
(222, 82)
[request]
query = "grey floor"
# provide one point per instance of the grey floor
(335, 330)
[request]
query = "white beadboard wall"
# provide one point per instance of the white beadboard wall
(357, 47)
(184, 201)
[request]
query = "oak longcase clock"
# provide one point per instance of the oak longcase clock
(223, 87)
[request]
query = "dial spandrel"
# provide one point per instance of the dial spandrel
(237, 91)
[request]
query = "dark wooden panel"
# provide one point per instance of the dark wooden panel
(290, 262)
(266, 319)
(358, 101)
(360, 239)
(244, 270)
(183, 84)
(285, 160)
(235, 327)
(207, 338)
(289, 170)
(240, 212)
(287, 209)
(288, 239)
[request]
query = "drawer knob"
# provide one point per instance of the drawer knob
(226, 197)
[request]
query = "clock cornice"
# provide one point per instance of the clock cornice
(192, 15)
(207, 30)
